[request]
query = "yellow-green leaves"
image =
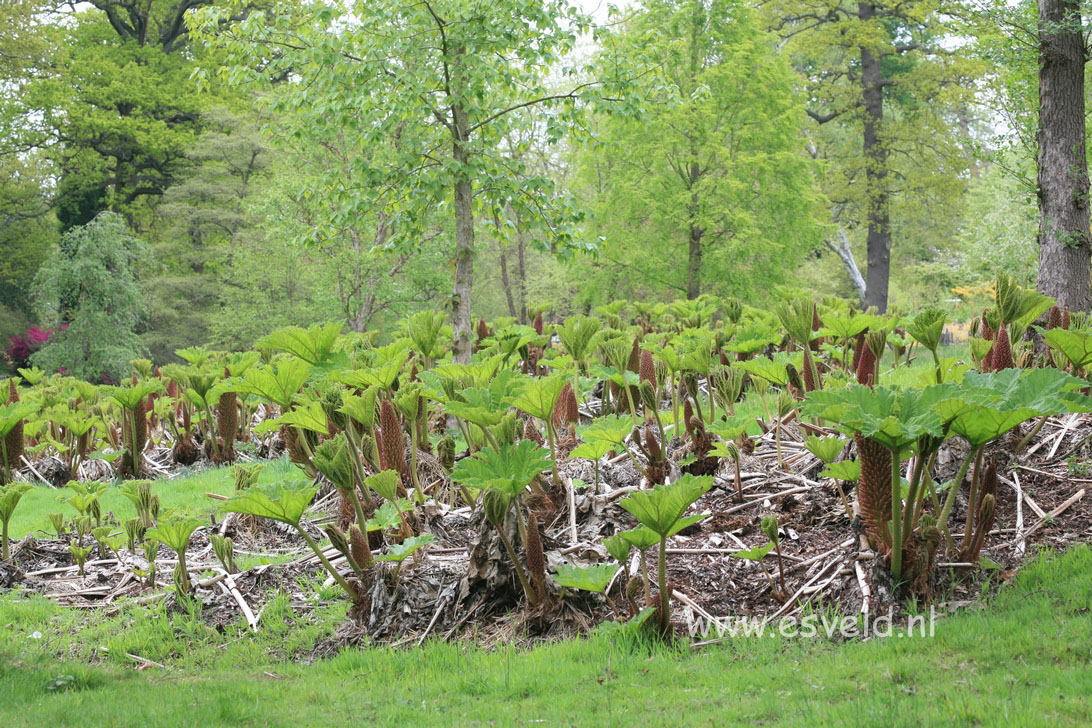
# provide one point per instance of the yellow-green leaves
(594, 578)
(927, 327)
(174, 532)
(825, 448)
(1075, 346)
(285, 501)
(661, 509)
(539, 397)
(507, 470)
(399, 552)
(313, 345)
(276, 384)
(332, 460)
(385, 483)
(894, 419)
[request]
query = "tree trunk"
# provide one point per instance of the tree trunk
(462, 340)
(693, 267)
(521, 284)
(507, 284)
(464, 266)
(1064, 250)
(875, 155)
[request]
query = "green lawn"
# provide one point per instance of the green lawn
(1024, 660)
(184, 493)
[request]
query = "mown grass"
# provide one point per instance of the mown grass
(1025, 659)
(183, 493)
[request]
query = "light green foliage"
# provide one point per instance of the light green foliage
(661, 508)
(1075, 346)
(313, 345)
(277, 384)
(399, 552)
(464, 71)
(284, 501)
(611, 429)
(507, 470)
(90, 283)
(825, 448)
(385, 483)
(895, 419)
(589, 578)
(708, 190)
(847, 470)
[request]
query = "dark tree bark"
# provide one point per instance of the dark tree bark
(875, 155)
(693, 271)
(1064, 249)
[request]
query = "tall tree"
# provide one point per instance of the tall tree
(89, 285)
(710, 190)
(445, 76)
(881, 69)
(1065, 245)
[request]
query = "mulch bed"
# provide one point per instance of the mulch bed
(462, 586)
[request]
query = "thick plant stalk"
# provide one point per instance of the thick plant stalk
(328, 566)
(911, 500)
(536, 558)
(553, 452)
(227, 423)
(532, 597)
(949, 501)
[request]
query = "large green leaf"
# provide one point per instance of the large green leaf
(401, 551)
(332, 460)
(360, 407)
(278, 384)
(507, 470)
(10, 495)
(591, 450)
(825, 448)
(312, 345)
(641, 538)
(284, 501)
(927, 327)
(588, 578)
(661, 508)
(895, 419)
(1076, 346)
(612, 429)
(846, 325)
(385, 483)
(382, 376)
(174, 532)
(12, 414)
(308, 417)
(847, 470)
(539, 396)
(996, 402)
(131, 396)
(486, 406)
(772, 370)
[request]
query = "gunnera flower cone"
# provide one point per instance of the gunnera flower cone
(13, 441)
(1000, 355)
(874, 490)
